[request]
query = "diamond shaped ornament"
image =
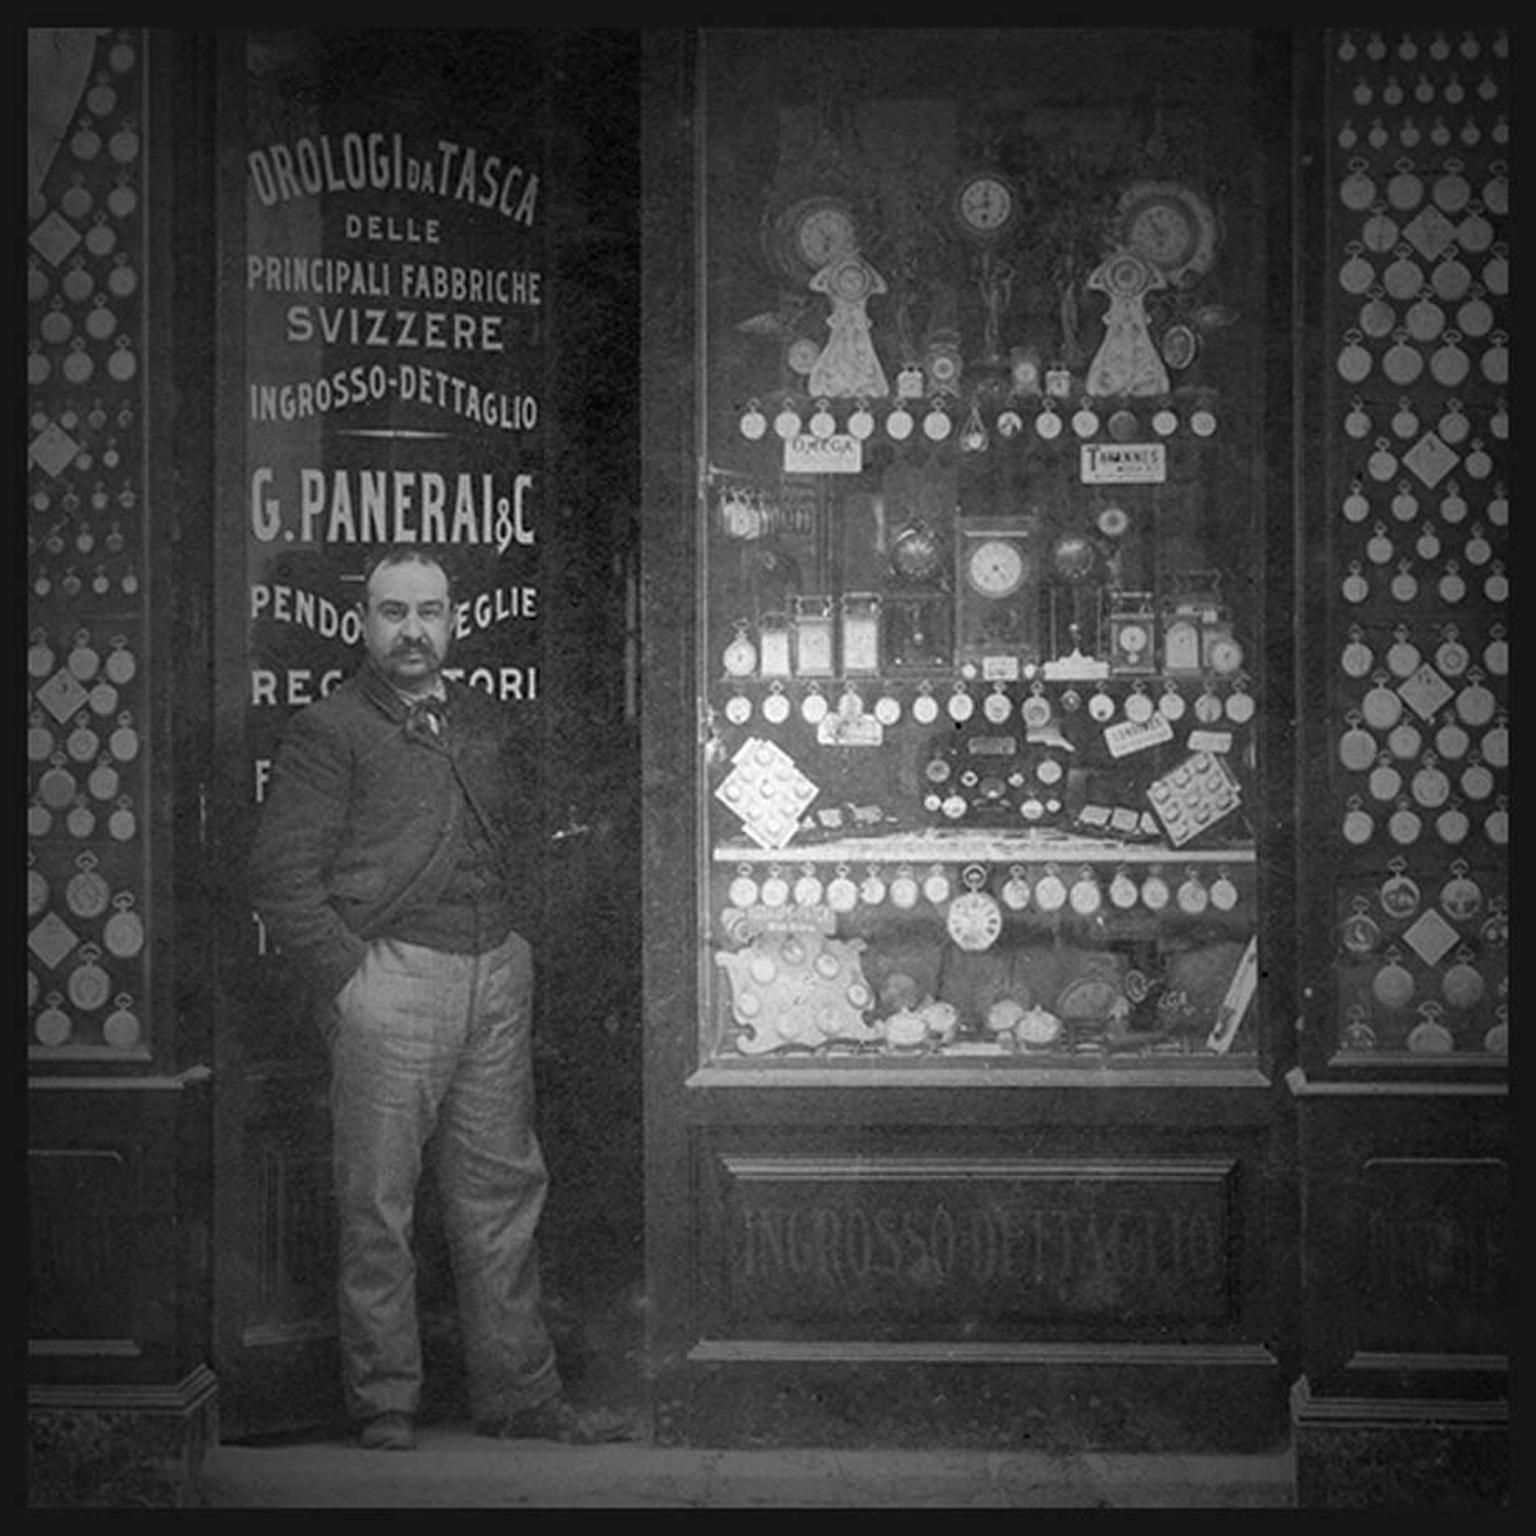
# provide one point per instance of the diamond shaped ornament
(53, 448)
(51, 940)
(1425, 692)
(54, 238)
(1431, 232)
(1430, 937)
(1431, 459)
(62, 695)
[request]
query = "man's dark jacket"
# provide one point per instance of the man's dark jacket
(362, 818)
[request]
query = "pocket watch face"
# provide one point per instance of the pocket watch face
(995, 567)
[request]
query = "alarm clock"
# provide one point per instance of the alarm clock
(986, 205)
(997, 577)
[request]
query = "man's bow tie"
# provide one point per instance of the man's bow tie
(426, 719)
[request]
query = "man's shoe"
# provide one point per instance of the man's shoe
(556, 1419)
(388, 1432)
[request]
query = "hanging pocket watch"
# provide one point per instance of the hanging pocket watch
(1404, 825)
(1403, 277)
(814, 706)
(960, 705)
(1392, 986)
(898, 425)
(842, 893)
(89, 986)
(774, 891)
(1495, 930)
(1430, 1037)
(1496, 1041)
(1494, 747)
(1399, 894)
(1355, 506)
(974, 919)
(1155, 892)
(904, 889)
(1496, 271)
(1402, 655)
(742, 891)
(1355, 588)
(1360, 934)
(753, 423)
(1430, 787)
(936, 885)
(1475, 703)
(1449, 363)
(1382, 707)
(925, 708)
(1496, 823)
(808, 889)
(123, 932)
(776, 706)
(1474, 233)
(53, 1026)
(1461, 897)
(1050, 891)
(87, 893)
(37, 889)
(1357, 746)
(1401, 362)
(1423, 321)
(1357, 191)
(1379, 233)
(1385, 782)
(1085, 895)
(738, 710)
(1452, 658)
(787, 423)
(1354, 362)
(1379, 548)
(1357, 1034)
(1015, 892)
(872, 887)
(121, 1027)
(1451, 279)
(1452, 585)
(1453, 824)
(1123, 892)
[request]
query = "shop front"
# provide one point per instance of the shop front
(1001, 535)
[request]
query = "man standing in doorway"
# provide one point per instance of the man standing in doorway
(394, 865)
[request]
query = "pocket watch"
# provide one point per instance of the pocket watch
(1085, 895)
(974, 919)
(1494, 747)
(774, 891)
(1404, 825)
(1429, 1037)
(1155, 894)
(776, 706)
(1123, 891)
(872, 888)
(1360, 933)
(1050, 891)
(89, 986)
(742, 891)
(1358, 1034)
(936, 886)
(1461, 896)
(53, 1026)
(87, 894)
(842, 893)
(1399, 894)
(1192, 896)
(1392, 986)
(808, 889)
(121, 1027)
(904, 890)
(1453, 824)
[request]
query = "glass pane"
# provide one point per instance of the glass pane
(982, 551)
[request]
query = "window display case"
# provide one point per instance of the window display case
(984, 678)
(968, 553)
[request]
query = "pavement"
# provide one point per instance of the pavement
(603, 1357)
(452, 1468)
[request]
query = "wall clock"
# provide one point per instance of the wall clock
(986, 205)
(994, 567)
(1168, 226)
